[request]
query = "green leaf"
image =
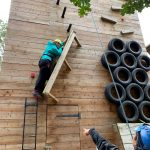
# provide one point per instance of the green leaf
(131, 6)
(84, 6)
(3, 30)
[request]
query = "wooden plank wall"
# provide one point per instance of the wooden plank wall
(31, 25)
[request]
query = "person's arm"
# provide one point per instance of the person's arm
(99, 141)
(62, 44)
(59, 51)
(55, 51)
(96, 137)
(49, 42)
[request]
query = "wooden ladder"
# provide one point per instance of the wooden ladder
(30, 129)
(48, 87)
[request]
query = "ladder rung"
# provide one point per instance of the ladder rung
(30, 113)
(30, 124)
(30, 135)
(31, 104)
(28, 148)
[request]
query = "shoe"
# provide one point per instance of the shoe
(37, 95)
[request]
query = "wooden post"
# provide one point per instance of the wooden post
(67, 64)
(77, 41)
(53, 97)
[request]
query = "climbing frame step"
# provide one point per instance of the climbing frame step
(124, 32)
(57, 68)
(116, 8)
(108, 19)
(29, 149)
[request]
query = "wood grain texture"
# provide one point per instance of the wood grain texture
(80, 91)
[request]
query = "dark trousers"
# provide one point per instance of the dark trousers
(44, 74)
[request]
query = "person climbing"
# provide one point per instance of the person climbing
(100, 142)
(51, 52)
(141, 140)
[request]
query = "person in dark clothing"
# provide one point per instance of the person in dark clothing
(51, 52)
(100, 142)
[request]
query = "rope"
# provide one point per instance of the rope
(112, 77)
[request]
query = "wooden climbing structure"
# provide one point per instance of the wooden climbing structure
(80, 91)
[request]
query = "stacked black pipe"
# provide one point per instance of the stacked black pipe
(129, 69)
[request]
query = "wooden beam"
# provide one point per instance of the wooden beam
(67, 64)
(124, 32)
(77, 41)
(53, 97)
(116, 8)
(108, 19)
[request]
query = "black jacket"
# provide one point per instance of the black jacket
(100, 142)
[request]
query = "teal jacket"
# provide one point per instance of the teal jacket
(52, 51)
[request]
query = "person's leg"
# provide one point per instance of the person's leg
(52, 66)
(43, 76)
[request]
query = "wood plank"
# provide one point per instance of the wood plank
(108, 19)
(66, 145)
(50, 95)
(63, 122)
(116, 8)
(100, 122)
(125, 32)
(62, 108)
(63, 138)
(67, 64)
(62, 130)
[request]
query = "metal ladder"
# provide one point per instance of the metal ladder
(29, 127)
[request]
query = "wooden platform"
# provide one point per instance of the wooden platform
(81, 91)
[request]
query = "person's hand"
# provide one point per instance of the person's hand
(66, 40)
(134, 140)
(86, 131)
